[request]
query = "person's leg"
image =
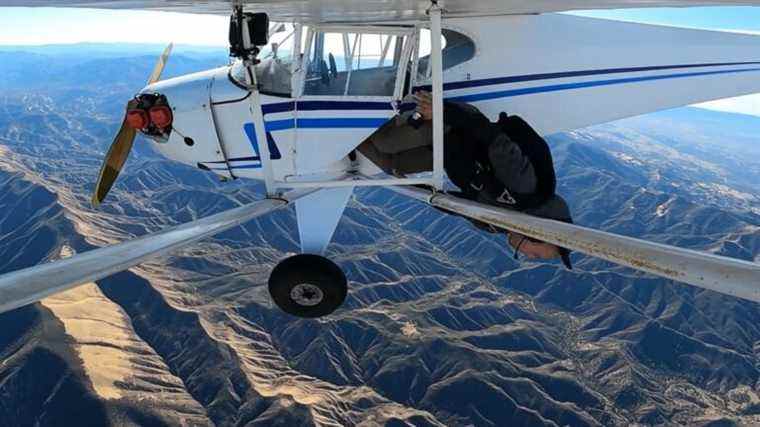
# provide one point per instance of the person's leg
(416, 160)
(396, 135)
(407, 162)
(399, 149)
(382, 160)
(460, 161)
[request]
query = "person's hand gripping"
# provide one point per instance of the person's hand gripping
(424, 104)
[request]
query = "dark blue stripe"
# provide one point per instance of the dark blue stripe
(580, 73)
(569, 86)
(250, 131)
(335, 123)
(341, 123)
(282, 107)
(247, 167)
(256, 166)
(275, 125)
(234, 159)
(245, 159)
(342, 105)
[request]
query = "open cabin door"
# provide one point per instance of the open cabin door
(349, 82)
(350, 79)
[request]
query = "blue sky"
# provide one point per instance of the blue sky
(35, 26)
(718, 18)
(25, 26)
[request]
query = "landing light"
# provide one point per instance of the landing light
(161, 116)
(137, 119)
(151, 115)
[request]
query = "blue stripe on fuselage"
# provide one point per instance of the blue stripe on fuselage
(341, 123)
(579, 73)
(596, 83)
(284, 107)
(275, 125)
(327, 123)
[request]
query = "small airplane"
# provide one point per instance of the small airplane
(302, 94)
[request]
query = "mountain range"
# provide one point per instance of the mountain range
(441, 327)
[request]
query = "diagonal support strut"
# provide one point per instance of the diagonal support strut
(725, 275)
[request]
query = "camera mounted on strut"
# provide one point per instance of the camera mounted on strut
(248, 31)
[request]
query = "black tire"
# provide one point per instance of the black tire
(296, 283)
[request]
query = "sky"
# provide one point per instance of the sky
(37, 26)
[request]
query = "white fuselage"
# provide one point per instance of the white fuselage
(554, 70)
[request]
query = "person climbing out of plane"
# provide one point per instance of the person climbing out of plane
(505, 164)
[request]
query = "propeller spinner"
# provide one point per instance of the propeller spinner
(134, 119)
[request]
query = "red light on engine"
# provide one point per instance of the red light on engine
(137, 119)
(161, 116)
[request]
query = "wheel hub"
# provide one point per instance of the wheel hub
(306, 294)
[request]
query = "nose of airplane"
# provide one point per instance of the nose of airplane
(180, 117)
(151, 115)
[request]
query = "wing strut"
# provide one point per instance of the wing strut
(720, 274)
(436, 53)
(32, 284)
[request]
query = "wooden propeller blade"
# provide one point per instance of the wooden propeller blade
(122, 144)
(115, 159)
(159, 68)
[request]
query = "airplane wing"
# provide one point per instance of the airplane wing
(374, 10)
(725, 275)
(32, 284)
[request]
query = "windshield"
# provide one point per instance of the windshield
(273, 72)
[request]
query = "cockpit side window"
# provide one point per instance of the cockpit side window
(457, 49)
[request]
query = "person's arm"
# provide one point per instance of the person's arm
(458, 116)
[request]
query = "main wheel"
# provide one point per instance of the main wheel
(308, 286)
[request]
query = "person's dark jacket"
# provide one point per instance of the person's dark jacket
(504, 164)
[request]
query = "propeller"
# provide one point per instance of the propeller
(122, 143)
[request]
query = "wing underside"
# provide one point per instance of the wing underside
(32, 284)
(374, 10)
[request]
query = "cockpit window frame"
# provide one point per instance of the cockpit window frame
(416, 68)
(406, 31)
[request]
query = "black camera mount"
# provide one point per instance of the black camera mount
(248, 31)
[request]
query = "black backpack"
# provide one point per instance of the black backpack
(535, 148)
(468, 165)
